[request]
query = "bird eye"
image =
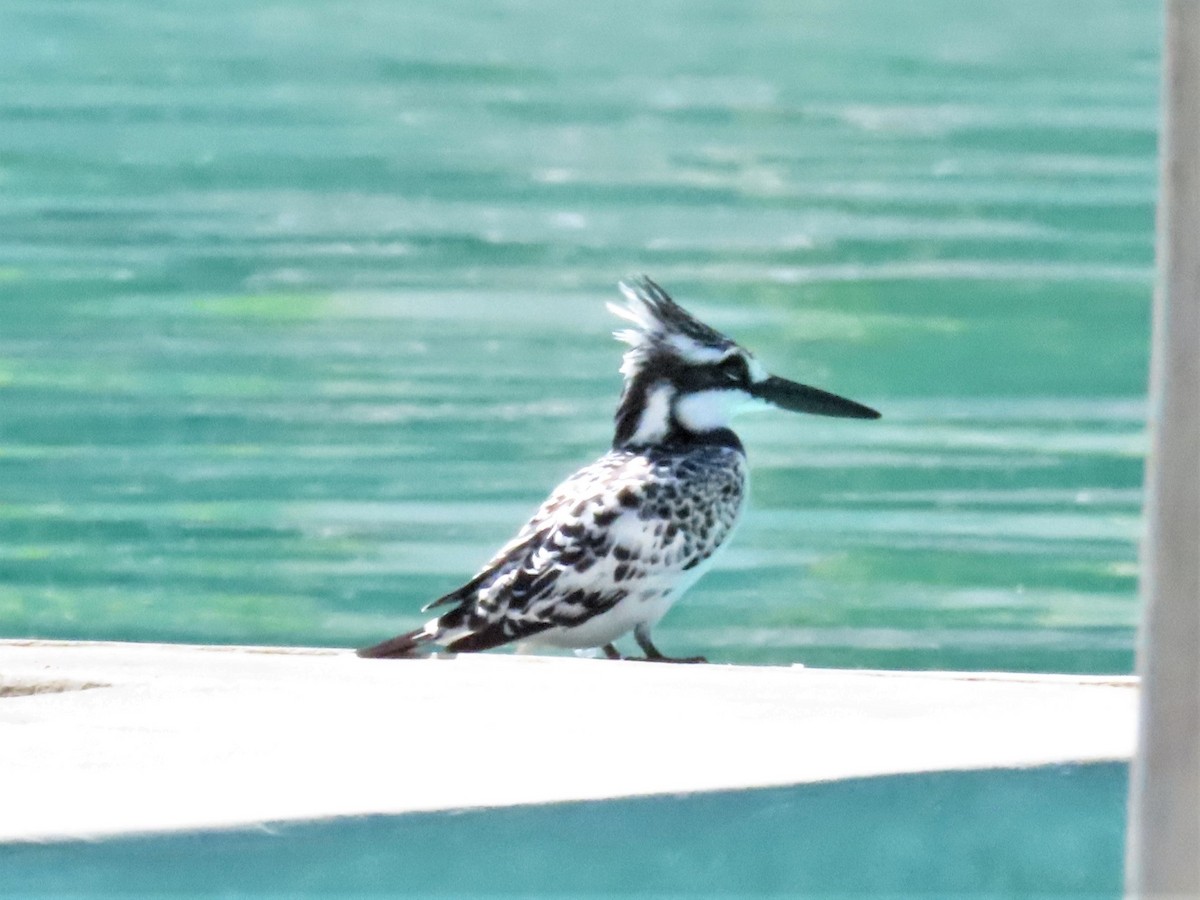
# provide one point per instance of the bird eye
(733, 369)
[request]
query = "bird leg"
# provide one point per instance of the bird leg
(611, 652)
(642, 636)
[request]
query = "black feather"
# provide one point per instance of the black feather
(402, 646)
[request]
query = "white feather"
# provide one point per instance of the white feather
(695, 352)
(713, 409)
(655, 419)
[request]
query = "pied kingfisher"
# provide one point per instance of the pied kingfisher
(621, 540)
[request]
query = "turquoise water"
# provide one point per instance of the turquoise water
(301, 309)
(1032, 833)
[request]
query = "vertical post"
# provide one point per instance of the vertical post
(1163, 857)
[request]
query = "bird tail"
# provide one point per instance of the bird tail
(403, 646)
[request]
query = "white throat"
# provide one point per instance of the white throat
(709, 410)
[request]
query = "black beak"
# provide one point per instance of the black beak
(802, 398)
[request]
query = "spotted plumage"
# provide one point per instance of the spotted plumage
(617, 543)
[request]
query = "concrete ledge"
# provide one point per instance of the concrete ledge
(104, 738)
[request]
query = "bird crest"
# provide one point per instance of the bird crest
(662, 326)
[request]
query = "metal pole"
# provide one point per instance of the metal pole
(1163, 857)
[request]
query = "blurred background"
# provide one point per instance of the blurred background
(302, 309)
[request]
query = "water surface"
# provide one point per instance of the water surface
(1010, 833)
(301, 309)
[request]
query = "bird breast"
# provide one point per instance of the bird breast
(646, 517)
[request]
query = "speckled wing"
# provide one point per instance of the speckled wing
(586, 488)
(626, 525)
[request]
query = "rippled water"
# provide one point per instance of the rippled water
(301, 309)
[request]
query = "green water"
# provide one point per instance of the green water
(301, 308)
(1033, 833)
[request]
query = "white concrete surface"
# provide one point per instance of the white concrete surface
(170, 737)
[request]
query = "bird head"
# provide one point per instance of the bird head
(686, 381)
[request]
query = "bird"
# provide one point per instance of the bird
(616, 544)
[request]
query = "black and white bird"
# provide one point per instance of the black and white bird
(617, 543)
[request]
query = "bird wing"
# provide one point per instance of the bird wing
(542, 578)
(549, 586)
(509, 555)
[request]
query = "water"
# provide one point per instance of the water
(301, 309)
(1032, 833)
